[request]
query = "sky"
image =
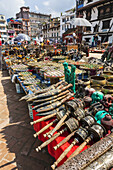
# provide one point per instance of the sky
(10, 7)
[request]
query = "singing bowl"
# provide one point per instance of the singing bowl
(107, 74)
(98, 80)
(107, 89)
(86, 81)
(110, 82)
(97, 88)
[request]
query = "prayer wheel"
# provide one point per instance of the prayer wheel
(80, 135)
(71, 125)
(71, 107)
(97, 131)
(59, 116)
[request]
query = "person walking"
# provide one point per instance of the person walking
(96, 39)
(0, 53)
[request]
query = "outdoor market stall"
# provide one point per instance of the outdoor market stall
(66, 119)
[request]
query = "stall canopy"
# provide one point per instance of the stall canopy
(23, 37)
(82, 22)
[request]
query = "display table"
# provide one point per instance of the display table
(53, 79)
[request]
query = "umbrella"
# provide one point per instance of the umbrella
(21, 37)
(81, 22)
(68, 36)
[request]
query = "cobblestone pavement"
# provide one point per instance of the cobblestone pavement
(17, 144)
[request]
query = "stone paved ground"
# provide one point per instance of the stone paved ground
(17, 144)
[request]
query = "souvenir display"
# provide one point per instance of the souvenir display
(70, 103)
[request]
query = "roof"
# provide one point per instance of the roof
(24, 7)
(93, 4)
(69, 31)
(40, 14)
(55, 26)
(70, 10)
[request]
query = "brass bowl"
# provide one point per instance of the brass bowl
(107, 89)
(110, 82)
(86, 81)
(97, 88)
(98, 81)
(107, 74)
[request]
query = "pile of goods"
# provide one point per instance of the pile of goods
(76, 123)
(57, 58)
(19, 68)
(31, 81)
(54, 73)
(71, 116)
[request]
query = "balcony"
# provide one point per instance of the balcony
(3, 30)
(2, 25)
(105, 15)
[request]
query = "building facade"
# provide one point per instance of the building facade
(51, 30)
(24, 15)
(3, 30)
(65, 21)
(36, 22)
(100, 14)
(14, 27)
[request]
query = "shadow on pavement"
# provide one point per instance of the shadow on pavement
(19, 134)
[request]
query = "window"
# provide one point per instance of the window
(63, 20)
(88, 14)
(88, 28)
(105, 11)
(96, 28)
(26, 23)
(106, 24)
(71, 17)
(67, 19)
(54, 34)
(1, 22)
(87, 39)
